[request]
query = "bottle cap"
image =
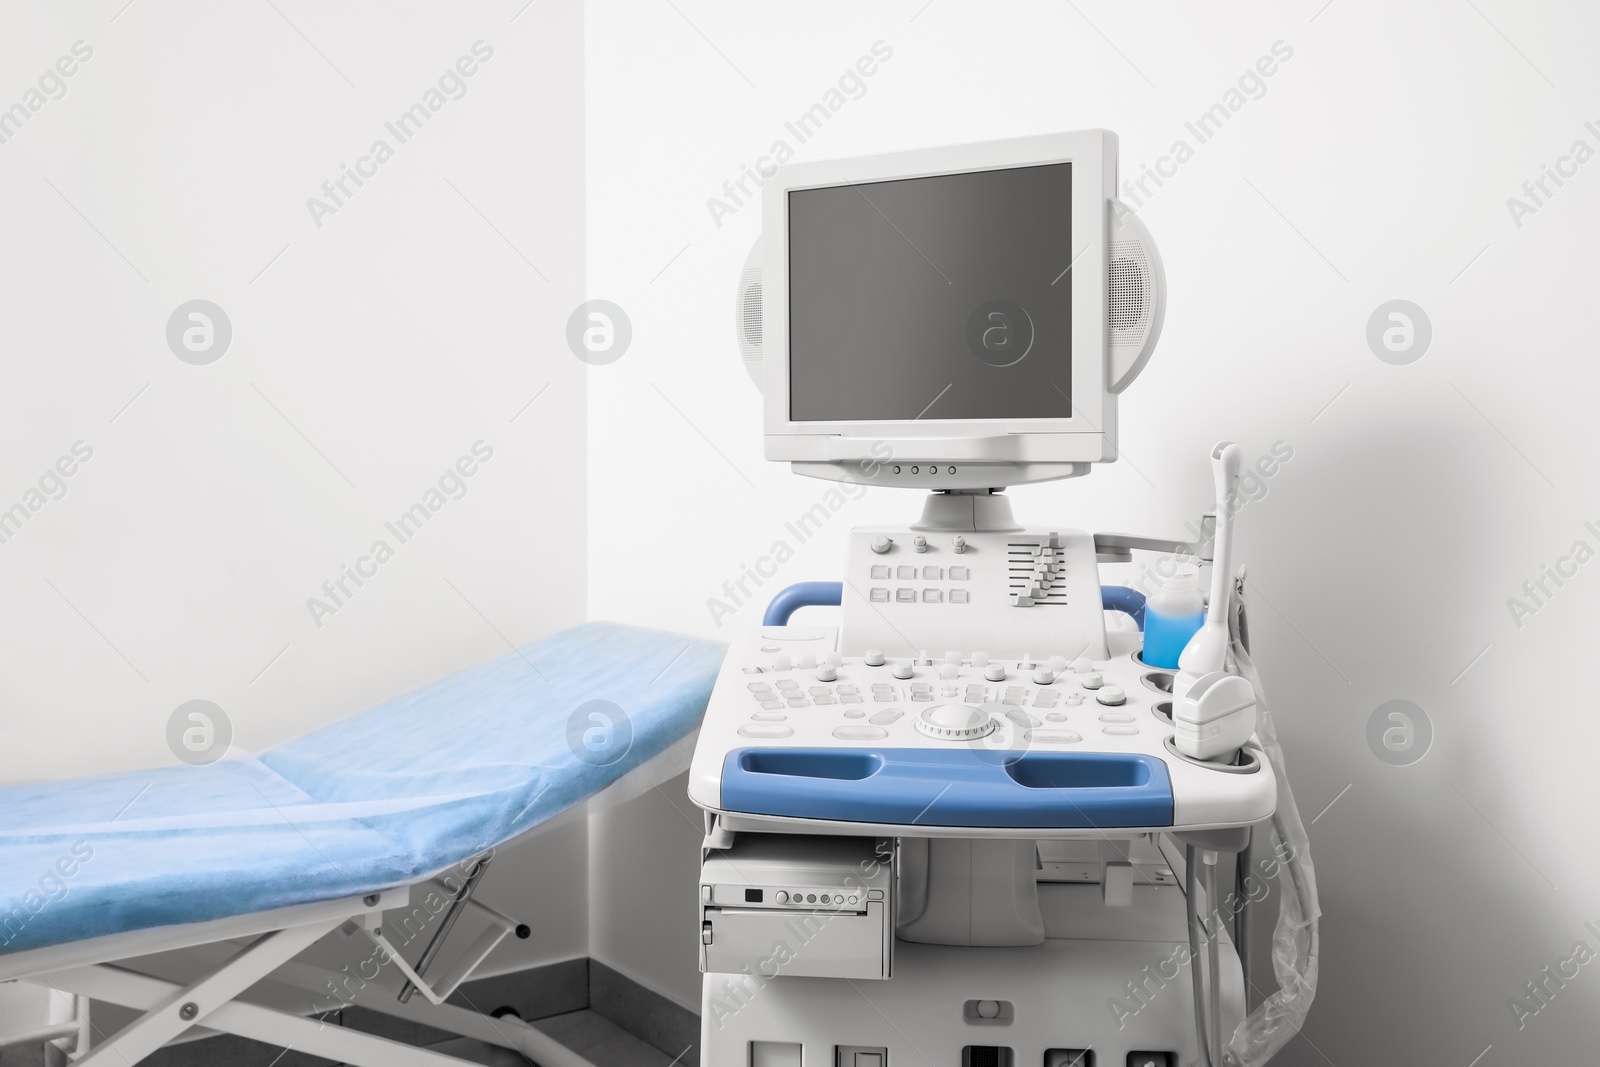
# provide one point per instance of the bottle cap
(1174, 577)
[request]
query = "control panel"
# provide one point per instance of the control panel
(957, 741)
(908, 589)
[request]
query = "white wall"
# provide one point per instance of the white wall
(644, 865)
(1376, 166)
(368, 354)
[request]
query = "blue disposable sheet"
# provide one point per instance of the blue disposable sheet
(386, 797)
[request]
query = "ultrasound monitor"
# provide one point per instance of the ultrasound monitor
(951, 318)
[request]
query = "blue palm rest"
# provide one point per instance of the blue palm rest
(955, 787)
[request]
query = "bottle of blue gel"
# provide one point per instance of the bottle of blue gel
(1173, 611)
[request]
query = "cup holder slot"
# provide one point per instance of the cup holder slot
(1160, 681)
(1246, 762)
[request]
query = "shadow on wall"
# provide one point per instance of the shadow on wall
(1368, 579)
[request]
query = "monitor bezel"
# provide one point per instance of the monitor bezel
(1088, 435)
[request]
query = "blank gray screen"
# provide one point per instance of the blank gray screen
(936, 298)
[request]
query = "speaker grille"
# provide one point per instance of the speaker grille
(1132, 293)
(747, 315)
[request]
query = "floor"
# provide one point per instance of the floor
(585, 1032)
(602, 1041)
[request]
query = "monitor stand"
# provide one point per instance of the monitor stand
(967, 511)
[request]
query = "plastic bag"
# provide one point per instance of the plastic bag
(1294, 939)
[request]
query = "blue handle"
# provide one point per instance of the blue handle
(1121, 598)
(949, 787)
(804, 595)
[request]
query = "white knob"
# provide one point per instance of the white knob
(995, 672)
(806, 662)
(988, 1009)
(920, 543)
(949, 671)
(1058, 663)
(1093, 680)
(880, 544)
(955, 722)
(1111, 695)
(780, 663)
(827, 673)
(1044, 676)
(903, 670)
(1074, 699)
(953, 656)
(960, 543)
(980, 659)
(783, 898)
(874, 657)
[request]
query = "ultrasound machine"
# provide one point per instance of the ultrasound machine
(971, 826)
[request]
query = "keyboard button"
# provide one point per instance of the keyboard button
(1052, 737)
(764, 729)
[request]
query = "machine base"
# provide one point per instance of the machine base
(1114, 981)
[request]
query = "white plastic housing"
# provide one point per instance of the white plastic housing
(747, 314)
(1138, 296)
(983, 453)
